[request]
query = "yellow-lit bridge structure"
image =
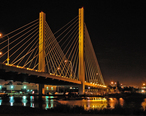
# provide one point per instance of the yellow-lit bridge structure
(66, 56)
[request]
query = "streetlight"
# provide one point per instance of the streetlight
(8, 51)
(0, 34)
(12, 88)
(8, 48)
(58, 69)
(0, 37)
(24, 86)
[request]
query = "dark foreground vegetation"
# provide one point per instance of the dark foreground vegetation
(66, 109)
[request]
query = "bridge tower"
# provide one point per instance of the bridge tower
(42, 19)
(41, 67)
(81, 51)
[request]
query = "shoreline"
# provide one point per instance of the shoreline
(64, 110)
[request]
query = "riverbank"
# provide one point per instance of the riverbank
(27, 111)
(58, 114)
(63, 110)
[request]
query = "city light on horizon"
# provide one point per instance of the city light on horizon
(1, 35)
(112, 82)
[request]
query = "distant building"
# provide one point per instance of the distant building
(25, 88)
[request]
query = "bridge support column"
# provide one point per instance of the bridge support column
(81, 52)
(81, 89)
(41, 89)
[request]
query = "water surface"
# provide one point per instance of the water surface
(48, 102)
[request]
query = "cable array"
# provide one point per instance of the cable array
(61, 50)
(92, 70)
(20, 47)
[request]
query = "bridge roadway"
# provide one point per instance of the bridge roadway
(17, 73)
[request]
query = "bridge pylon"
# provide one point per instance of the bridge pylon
(42, 19)
(41, 66)
(81, 52)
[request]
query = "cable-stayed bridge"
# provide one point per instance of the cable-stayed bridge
(33, 53)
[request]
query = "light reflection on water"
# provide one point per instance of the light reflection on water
(32, 101)
(87, 104)
(50, 102)
(24, 100)
(11, 100)
(0, 102)
(112, 102)
(121, 101)
(143, 104)
(95, 103)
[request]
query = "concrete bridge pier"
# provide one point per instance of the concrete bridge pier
(41, 89)
(81, 89)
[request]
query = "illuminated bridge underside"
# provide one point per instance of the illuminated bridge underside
(20, 74)
(23, 75)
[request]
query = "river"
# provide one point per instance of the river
(48, 102)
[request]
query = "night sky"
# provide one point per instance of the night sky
(117, 29)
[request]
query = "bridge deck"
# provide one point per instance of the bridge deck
(17, 73)
(42, 77)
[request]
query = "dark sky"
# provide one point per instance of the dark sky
(117, 29)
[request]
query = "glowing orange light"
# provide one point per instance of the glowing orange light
(112, 82)
(65, 61)
(143, 83)
(0, 53)
(111, 99)
(58, 68)
(0, 34)
(142, 91)
(96, 73)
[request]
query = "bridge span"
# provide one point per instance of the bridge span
(17, 73)
(34, 54)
